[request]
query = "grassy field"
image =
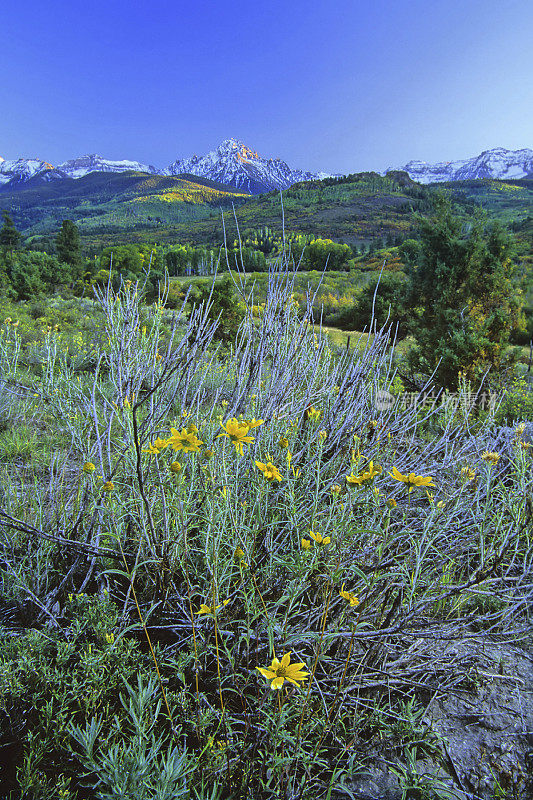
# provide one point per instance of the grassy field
(229, 571)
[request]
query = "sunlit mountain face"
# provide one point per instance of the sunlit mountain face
(235, 164)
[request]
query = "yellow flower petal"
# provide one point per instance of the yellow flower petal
(266, 673)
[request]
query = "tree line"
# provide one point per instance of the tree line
(458, 296)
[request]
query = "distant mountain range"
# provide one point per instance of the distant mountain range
(233, 165)
(112, 208)
(499, 164)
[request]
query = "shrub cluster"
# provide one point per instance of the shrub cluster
(235, 574)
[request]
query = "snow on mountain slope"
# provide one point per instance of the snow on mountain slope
(235, 164)
(23, 169)
(78, 167)
(498, 163)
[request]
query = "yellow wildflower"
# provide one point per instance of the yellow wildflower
(205, 609)
(110, 638)
(365, 477)
(175, 467)
(156, 447)
(108, 486)
(490, 457)
(253, 423)
(391, 502)
(239, 557)
(336, 488)
(183, 440)
(88, 467)
(411, 480)
(237, 432)
(353, 480)
(280, 671)
(284, 442)
(306, 544)
(349, 596)
(319, 539)
(468, 473)
(270, 472)
(323, 435)
(312, 413)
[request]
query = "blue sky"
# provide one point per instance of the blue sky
(340, 86)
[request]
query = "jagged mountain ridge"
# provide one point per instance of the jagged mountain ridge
(25, 169)
(232, 164)
(498, 163)
(22, 169)
(235, 164)
(78, 167)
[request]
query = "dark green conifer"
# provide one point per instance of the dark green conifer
(10, 237)
(462, 298)
(68, 245)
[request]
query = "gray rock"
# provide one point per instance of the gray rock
(485, 735)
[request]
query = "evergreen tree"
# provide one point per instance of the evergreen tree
(25, 277)
(224, 306)
(462, 298)
(9, 235)
(69, 247)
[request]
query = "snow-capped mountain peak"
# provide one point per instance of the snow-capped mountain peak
(232, 163)
(78, 167)
(235, 164)
(498, 163)
(23, 169)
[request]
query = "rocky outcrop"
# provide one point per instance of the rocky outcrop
(485, 735)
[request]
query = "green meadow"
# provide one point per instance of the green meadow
(261, 522)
